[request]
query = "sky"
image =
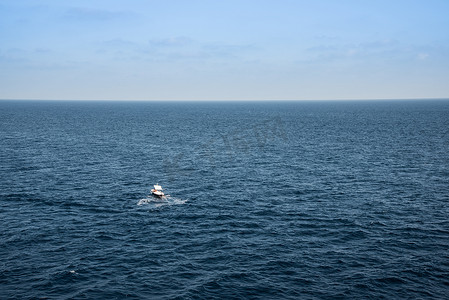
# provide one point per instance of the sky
(224, 49)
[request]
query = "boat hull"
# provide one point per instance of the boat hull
(157, 193)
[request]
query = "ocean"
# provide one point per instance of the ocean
(266, 200)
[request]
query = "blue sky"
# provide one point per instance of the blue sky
(219, 50)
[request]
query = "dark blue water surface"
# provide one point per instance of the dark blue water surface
(268, 200)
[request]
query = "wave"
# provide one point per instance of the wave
(160, 202)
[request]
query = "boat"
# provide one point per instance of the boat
(157, 191)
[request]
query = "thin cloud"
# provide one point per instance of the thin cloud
(227, 49)
(423, 56)
(190, 49)
(14, 55)
(175, 49)
(374, 50)
(171, 42)
(118, 43)
(89, 14)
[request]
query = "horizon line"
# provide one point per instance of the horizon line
(225, 100)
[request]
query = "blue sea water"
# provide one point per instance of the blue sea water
(268, 200)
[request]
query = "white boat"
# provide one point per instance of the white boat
(157, 191)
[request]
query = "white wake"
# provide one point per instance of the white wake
(154, 202)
